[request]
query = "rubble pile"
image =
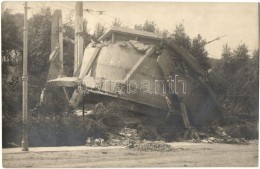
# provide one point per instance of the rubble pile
(151, 146)
(220, 136)
(112, 117)
(125, 137)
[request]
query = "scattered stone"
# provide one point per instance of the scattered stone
(152, 146)
(212, 139)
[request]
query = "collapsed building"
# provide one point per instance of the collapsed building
(155, 77)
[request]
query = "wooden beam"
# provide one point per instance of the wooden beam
(139, 64)
(66, 94)
(55, 30)
(190, 60)
(185, 115)
(61, 71)
(113, 37)
(88, 66)
(54, 54)
(78, 46)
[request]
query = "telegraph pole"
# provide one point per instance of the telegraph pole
(60, 44)
(78, 48)
(25, 82)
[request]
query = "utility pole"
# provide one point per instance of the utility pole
(60, 44)
(258, 25)
(25, 82)
(78, 48)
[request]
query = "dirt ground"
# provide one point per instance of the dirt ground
(184, 154)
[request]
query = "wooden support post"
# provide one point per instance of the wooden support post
(55, 30)
(91, 60)
(113, 37)
(78, 48)
(186, 121)
(83, 106)
(60, 45)
(56, 57)
(66, 94)
(185, 115)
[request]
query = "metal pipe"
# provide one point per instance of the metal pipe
(25, 82)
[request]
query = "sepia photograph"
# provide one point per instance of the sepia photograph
(122, 84)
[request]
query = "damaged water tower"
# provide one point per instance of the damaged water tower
(154, 76)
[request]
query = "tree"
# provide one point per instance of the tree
(11, 53)
(180, 37)
(239, 75)
(117, 22)
(69, 18)
(100, 29)
(241, 54)
(148, 26)
(39, 26)
(199, 52)
(196, 46)
(11, 40)
(165, 33)
(139, 27)
(226, 52)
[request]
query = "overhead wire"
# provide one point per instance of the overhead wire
(104, 14)
(61, 6)
(119, 19)
(100, 19)
(119, 8)
(70, 5)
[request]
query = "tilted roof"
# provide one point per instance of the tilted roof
(138, 33)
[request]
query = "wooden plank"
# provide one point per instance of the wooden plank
(54, 54)
(76, 98)
(186, 56)
(88, 66)
(77, 72)
(139, 64)
(185, 115)
(63, 82)
(166, 64)
(66, 94)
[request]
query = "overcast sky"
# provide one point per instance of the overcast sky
(238, 21)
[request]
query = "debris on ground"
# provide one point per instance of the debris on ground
(220, 136)
(113, 119)
(125, 137)
(151, 146)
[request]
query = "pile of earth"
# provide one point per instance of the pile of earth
(160, 146)
(219, 135)
(125, 137)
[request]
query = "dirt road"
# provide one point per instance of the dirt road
(184, 154)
